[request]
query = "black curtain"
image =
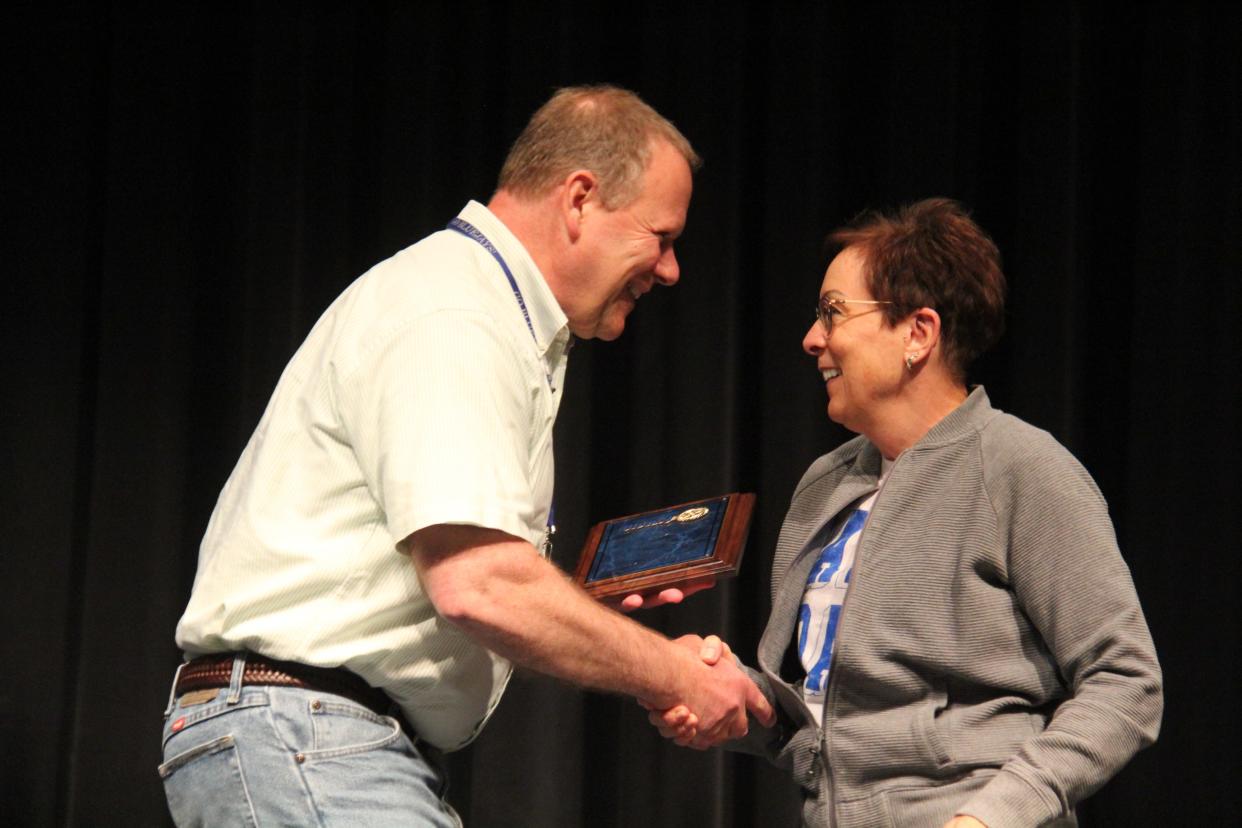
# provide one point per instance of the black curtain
(189, 185)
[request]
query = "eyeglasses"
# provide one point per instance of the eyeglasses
(830, 307)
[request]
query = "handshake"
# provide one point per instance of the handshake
(715, 701)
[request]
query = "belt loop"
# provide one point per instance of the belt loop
(235, 682)
(172, 691)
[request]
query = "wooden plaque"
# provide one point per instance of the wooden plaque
(663, 548)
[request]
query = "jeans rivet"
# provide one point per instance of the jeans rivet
(299, 757)
(315, 705)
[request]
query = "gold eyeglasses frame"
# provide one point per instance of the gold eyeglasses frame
(826, 305)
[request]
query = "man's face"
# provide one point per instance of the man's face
(626, 251)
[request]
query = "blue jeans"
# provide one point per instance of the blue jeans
(286, 756)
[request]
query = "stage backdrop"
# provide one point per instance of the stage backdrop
(185, 192)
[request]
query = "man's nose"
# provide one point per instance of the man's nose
(667, 271)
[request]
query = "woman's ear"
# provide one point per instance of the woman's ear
(923, 334)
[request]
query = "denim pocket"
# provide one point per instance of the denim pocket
(341, 729)
(207, 772)
(203, 775)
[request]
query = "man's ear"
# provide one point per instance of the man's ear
(579, 195)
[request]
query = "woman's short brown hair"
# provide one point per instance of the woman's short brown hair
(931, 254)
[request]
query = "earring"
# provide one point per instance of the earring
(910, 361)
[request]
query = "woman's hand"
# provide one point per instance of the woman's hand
(964, 821)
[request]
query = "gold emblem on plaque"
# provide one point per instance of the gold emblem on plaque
(693, 513)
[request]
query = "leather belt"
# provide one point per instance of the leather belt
(213, 671)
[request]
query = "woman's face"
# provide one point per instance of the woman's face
(862, 360)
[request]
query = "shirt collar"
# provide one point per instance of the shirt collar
(546, 316)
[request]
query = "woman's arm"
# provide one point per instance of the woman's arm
(1069, 579)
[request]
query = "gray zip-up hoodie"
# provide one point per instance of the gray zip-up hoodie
(992, 658)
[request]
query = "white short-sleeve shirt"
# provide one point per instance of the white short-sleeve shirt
(420, 397)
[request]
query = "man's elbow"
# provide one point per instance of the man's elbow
(454, 587)
(461, 604)
(467, 572)
(465, 591)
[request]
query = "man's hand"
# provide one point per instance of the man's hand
(706, 720)
(669, 596)
(964, 821)
(678, 723)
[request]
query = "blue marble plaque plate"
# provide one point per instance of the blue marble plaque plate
(657, 539)
(654, 550)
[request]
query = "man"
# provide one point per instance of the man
(376, 550)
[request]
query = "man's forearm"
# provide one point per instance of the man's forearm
(503, 594)
(517, 604)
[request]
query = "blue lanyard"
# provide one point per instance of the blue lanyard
(470, 231)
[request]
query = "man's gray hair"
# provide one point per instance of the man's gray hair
(604, 129)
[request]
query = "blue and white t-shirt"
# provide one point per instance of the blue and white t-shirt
(822, 602)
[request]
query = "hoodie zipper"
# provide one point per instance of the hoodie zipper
(823, 729)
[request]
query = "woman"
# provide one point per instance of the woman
(954, 639)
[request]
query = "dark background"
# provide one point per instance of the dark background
(189, 185)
